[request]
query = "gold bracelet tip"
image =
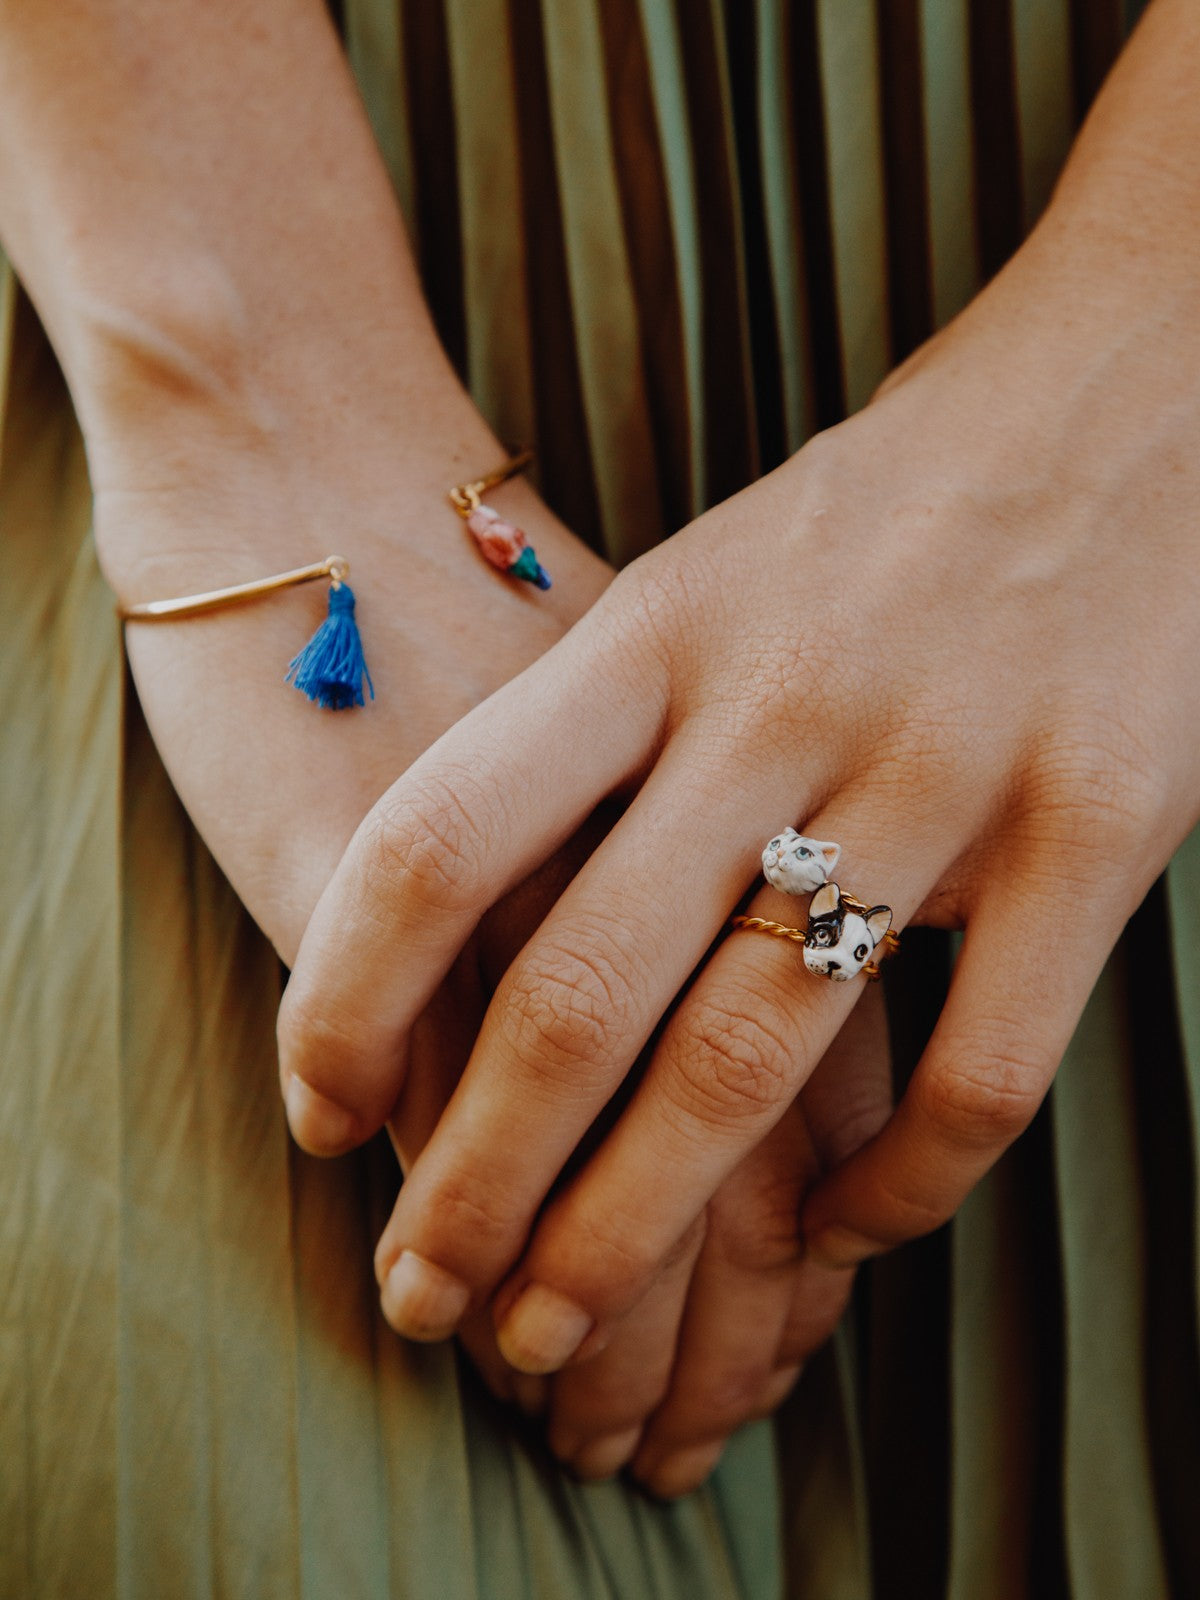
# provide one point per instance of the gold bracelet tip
(336, 568)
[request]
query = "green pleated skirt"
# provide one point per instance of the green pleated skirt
(667, 239)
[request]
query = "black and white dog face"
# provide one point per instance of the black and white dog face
(837, 941)
(798, 865)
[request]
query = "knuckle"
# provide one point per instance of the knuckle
(734, 1065)
(1101, 799)
(986, 1096)
(920, 763)
(428, 841)
(763, 1234)
(619, 1254)
(723, 1397)
(318, 1042)
(465, 1210)
(611, 1258)
(607, 1397)
(913, 1213)
(566, 1007)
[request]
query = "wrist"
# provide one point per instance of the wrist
(210, 481)
(1067, 369)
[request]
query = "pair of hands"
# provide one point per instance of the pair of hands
(277, 791)
(957, 634)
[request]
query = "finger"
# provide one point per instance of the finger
(440, 1044)
(845, 1103)
(478, 1338)
(734, 1055)
(1033, 949)
(737, 1308)
(849, 1097)
(687, 1469)
(437, 1051)
(727, 1372)
(755, 1309)
(599, 1408)
(474, 816)
(819, 1299)
(566, 1024)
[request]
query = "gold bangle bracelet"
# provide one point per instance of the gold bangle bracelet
(336, 568)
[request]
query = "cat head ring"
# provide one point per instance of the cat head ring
(798, 865)
(842, 934)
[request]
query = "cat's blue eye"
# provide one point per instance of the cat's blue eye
(803, 853)
(774, 845)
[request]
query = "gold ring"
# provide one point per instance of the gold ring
(843, 936)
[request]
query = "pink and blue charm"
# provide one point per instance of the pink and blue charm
(501, 543)
(505, 546)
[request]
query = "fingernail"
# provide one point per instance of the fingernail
(317, 1124)
(422, 1301)
(606, 1455)
(542, 1330)
(531, 1394)
(838, 1248)
(684, 1471)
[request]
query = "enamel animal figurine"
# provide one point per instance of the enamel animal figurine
(505, 546)
(840, 939)
(798, 865)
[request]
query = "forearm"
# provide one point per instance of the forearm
(1111, 271)
(190, 191)
(1132, 183)
(191, 194)
(166, 169)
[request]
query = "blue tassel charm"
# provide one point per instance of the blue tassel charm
(331, 669)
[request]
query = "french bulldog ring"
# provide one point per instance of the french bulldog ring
(843, 934)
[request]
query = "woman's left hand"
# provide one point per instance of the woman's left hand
(959, 635)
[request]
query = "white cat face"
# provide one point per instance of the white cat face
(798, 865)
(838, 942)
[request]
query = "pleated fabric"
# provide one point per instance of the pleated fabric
(667, 240)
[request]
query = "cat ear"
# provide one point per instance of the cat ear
(827, 898)
(829, 853)
(879, 920)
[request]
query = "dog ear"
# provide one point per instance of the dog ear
(827, 898)
(879, 920)
(829, 854)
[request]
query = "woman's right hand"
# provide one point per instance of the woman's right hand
(194, 202)
(188, 499)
